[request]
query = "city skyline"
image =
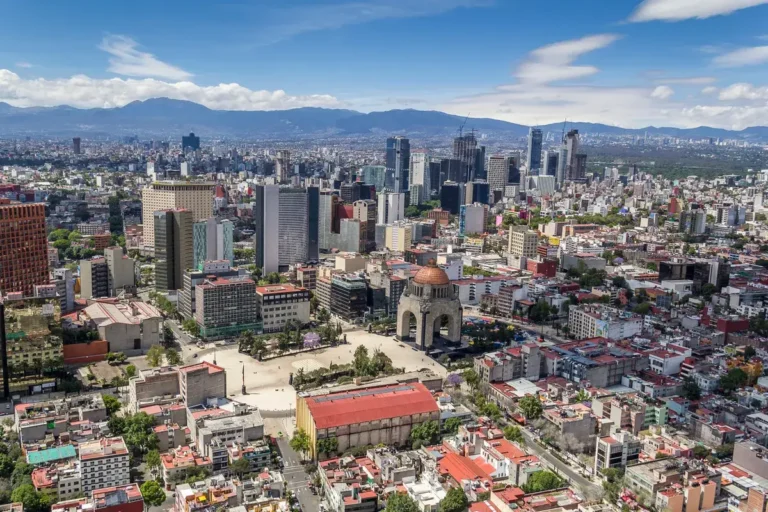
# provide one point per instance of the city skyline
(672, 63)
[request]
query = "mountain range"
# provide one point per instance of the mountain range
(166, 117)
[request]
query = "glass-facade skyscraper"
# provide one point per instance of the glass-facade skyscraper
(398, 160)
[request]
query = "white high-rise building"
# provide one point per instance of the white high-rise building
(420, 174)
(391, 207)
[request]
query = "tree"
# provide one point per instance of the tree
(300, 442)
(322, 315)
(130, 371)
(425, 433)
(733, 380)
(514, 434)
(455, 501)
(581, 396)
(152, 460)
(701, 452)
(240, 466)
(33, 501)
(172, 356)
(112, 404)
(491, 410)
(191, 327)
(21, 474)
(153, 494)
(642, 309)
(168, 337)
(691, 390)
(258, 348)
(155, 356)
(401, 502)
(471, 378)
(539, 312)
(749, 352)
(328, 445)
(531, 407)
(452, 425)
(542, 481)
(361, 363)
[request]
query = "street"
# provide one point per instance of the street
(582, 483)
(296, 478)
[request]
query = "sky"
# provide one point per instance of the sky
(630, 63)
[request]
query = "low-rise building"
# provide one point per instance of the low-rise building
(616, 451)
(154, 386)
(598, 320)
(128, 326)
(123, 498)
(281, 303)
(177, 463)
(345, 482)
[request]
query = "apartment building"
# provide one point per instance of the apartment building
(598, 320)
(280, 303)
(522, 242)
(192, 277)
(94, 278)
(616, 451)
(104, 463)
(121, 271)
(24, 247)
(226, 306)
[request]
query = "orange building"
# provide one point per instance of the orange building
(24, 247)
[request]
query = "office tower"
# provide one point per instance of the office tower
(121, 269)
(185, 169)
(162, 195)
(477, 192)
(266, 201)
(213, 240)
(513, 178)
(450, 170)
(375, 175)
(498, 172)
(562, 164)
(452, 196)
(576, 163)
(399, 237)
(225, 306)
(313, 223)
(283, 166)
(23, 247)
(523, 242)
(350, 192)
(472, 219)
(391, 207)
(328, 222)
(293, 230)
(365, 211)
(465, 151)
(480, 170)
(434, 176)
(579, 171)
(65, 289)
(173, 247)
(398, 158)
(533, 160)
(94, 278)
(420, 175)
(549, 163)
(76, 145)
(190, 142)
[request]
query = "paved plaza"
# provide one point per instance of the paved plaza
(267, 382)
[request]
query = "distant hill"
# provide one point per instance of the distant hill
(163, 116)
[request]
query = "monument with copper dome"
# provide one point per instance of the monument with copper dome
(430, 298)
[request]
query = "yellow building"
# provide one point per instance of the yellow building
(399, 238)
(165, 195)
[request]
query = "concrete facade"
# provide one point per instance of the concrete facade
(201, 381)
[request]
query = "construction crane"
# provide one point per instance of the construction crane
(461, 127)
(562, 136)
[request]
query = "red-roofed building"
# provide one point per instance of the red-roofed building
(366, 416)
(346, 484)
(177, 463)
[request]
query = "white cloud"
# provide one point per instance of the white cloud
(552, 63)
(85, 92)
(709, 90)
(289, 22)
(24, 65)
(693, 80)
(677, 10)
(742, 57)
(126, 59)
(743, 91)
(725, 116)
(662, 92)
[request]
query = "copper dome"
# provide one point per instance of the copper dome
(431, 274)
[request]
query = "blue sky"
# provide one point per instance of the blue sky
(626, 62)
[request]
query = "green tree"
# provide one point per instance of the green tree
(322, 315)
(130, 371)
(21, 474)
(425, 433)
(491, 410)
(172, 356)
(451, 425)
(328, 445)
(642, 309)
(33, 501)
(155, 356)
(701, 452)
(191, 327)
(168, 337)
(152, 460)
(531, 407)
(153, 494)
(514, 434)
(112, 404)
(581, 396)
(749, 352)
(300, 442)
(401, 502)
(733, 380)
(539, 312)
(542, 481)
(258, 348)
(691, 390)
(240, 466)
(455, 501)
(471, 378)
(361, 362)
(6, 466)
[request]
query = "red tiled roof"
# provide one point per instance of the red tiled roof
(461, 468)
(347, 408)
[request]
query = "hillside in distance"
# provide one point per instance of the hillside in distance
(165, 117)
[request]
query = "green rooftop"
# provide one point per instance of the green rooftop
(51, 454)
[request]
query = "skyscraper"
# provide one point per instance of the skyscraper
(24, 247)
(549, 163)
(450, 170)
(465, 151)
(576, 165)
(76, 145)
(452, 196)
(398, 159)
(375, 175)
(498, 172)
(283, 165)
(533, 161)
(562, 165)
(391, 207)
(293, 230)
(173, 247)
(213, 240)
(266, 200)
(190, 142)
(161, 195)
(420, 174)
(313, 223)
(480, 170)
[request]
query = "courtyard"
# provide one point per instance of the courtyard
(266, 382)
